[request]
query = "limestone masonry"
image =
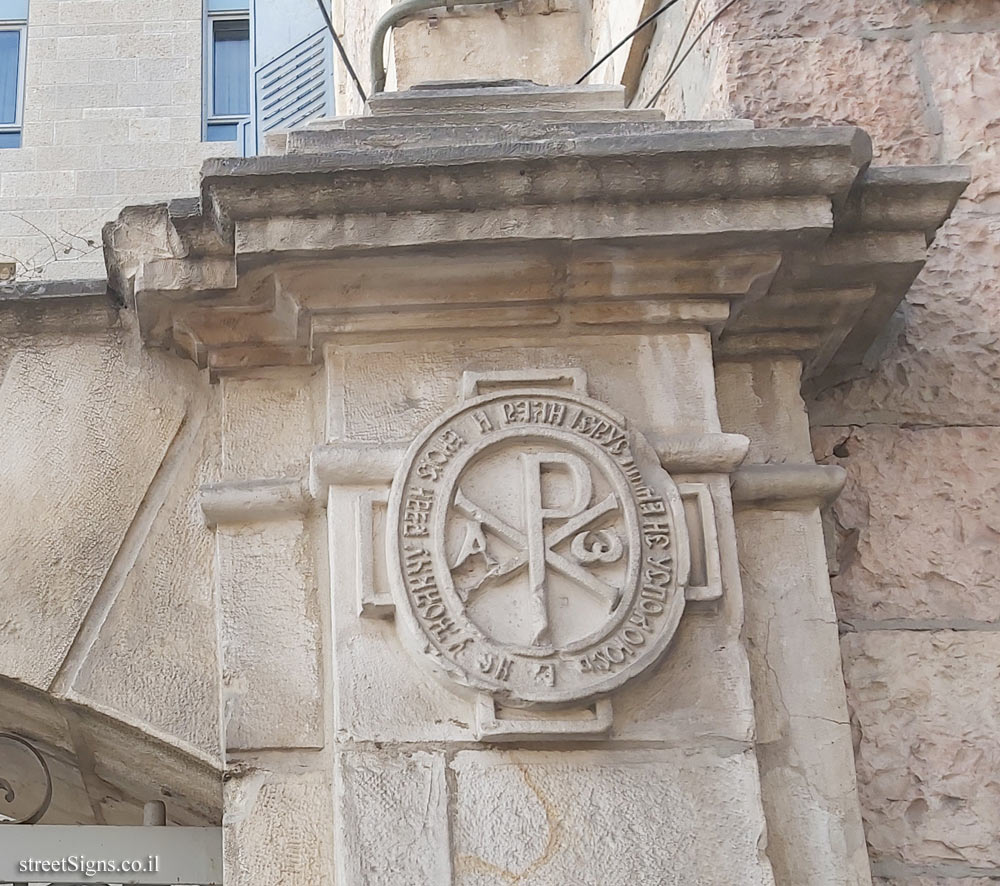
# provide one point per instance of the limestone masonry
(512, 483)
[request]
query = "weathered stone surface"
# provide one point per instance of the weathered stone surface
(774, 19)
(761, 399)
(909, 880)
(965, 76)
(268, 424)
(917, 523)
(985, 15)
(926, 712)
(940, 360)
(86, 425)
(270, 637)
(156, 656)
(389, 393)
(541, 40)
(278, 829)
(539, 818)
(128, 766)
(393, 810)
(610, 21)
(808, 82)
(804, 742)
(364, 666)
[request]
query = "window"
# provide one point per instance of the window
(268, 66)
(227, 69)
(13, 34)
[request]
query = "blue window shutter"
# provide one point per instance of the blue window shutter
(293, 66)
(10, 49)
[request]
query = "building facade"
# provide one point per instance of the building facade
(219, 477)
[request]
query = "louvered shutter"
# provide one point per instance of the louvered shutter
(293, 67)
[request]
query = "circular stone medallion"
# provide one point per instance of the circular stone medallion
(536, 548)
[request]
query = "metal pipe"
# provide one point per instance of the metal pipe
(393, 17)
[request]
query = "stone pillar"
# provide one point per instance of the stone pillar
(804, 747)
(485, 406)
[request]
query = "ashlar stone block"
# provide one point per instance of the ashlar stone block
(278, 829)
(268, 424)
(926, 713)
(965, 72)
(608, 818)
(271, 630)
(155, 658)
(393, 813)
(805, 82)
(917, 523)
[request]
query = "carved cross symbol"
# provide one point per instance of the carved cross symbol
(535, 544)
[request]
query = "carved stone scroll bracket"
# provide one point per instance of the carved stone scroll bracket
(594, 722)
(705, 582)
(254, 501)
(788, 486)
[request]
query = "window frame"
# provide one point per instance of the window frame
(21, 26)
(233, 11)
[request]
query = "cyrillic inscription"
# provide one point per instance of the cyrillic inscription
(536, 554)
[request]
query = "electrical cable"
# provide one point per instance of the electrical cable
(647, 20)
(687, 52)
(341, 49)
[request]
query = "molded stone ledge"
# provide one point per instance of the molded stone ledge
(663, 167)
(351, 464)
(679, 193)
(900, 198)
(791, 486)
(253, 501)
(701, 453)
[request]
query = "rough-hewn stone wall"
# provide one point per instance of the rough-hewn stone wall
(916, 529)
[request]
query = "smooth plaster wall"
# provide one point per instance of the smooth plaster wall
(915, 532)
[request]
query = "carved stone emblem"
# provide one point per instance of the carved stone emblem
(537, 550)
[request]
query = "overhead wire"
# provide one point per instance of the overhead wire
(340, 49)
(649, 19)
(673, 70)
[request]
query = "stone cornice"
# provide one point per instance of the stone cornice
(422, 219)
